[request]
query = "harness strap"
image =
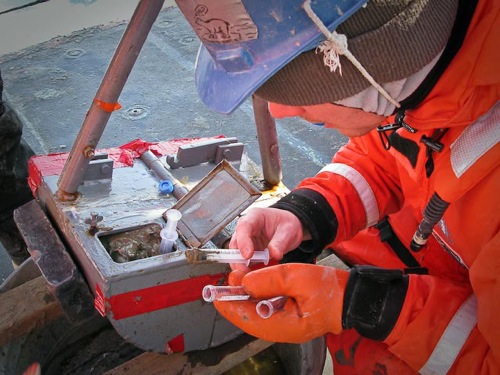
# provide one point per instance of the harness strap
(387, 235)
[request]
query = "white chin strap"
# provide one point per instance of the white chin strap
(336, 45)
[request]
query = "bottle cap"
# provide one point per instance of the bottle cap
(166, 187)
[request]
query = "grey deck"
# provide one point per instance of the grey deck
(51, 85)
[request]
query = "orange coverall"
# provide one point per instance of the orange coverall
(450, 318)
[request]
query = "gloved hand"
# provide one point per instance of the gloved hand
(277, 230)
(314, 306)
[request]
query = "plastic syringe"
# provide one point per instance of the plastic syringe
(226, 256)
(169, 232)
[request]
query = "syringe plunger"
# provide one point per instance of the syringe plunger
(173, 216)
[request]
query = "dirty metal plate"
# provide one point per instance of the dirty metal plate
(213, 203)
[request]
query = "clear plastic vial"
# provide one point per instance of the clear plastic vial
(212, 293)
(267, 307)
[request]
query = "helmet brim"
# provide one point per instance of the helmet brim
(223, 91)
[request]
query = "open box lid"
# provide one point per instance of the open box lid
(213, 203)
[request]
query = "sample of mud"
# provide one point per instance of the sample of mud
(196, 255)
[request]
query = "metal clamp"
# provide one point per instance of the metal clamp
(213, 151)
(100, 168)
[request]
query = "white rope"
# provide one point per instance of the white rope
(332, 51)
(336, 45)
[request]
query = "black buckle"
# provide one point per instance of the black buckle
(388, 127)
(432, 144)
(399, 123)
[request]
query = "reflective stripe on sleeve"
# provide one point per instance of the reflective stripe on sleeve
(453, 339)
(362, 187)
(475, 141)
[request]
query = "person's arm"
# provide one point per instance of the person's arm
(350, 194)
(421, 314)
(411, 313)
(355, 191)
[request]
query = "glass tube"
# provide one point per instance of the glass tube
(267, 307)
(212, 293)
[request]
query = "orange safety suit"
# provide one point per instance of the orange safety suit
(450, 319)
